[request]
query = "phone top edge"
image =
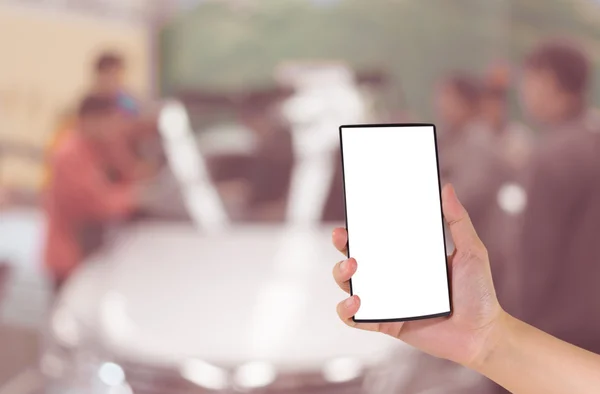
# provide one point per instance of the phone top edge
(350, 126)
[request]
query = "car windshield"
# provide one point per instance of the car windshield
(273, 164)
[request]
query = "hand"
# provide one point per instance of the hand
(468, 335)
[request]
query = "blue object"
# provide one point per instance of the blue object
(128, 103)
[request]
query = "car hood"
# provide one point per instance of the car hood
(166, 292)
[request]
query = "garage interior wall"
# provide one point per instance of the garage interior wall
(45, 67)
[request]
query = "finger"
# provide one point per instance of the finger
(463, 233)
(339, 238)
(348, 308)
(343, 271)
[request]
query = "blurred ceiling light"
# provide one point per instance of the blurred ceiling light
(204, 374)
(342, 369)
(65, 327)
(255, 374)
(512, 198)
(111, 374)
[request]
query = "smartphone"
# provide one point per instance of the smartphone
(394, 221)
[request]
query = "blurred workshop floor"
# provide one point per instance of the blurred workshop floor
(23, 296)
(19, 348)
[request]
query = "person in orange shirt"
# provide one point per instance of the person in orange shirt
(65, 125)
(81, 199)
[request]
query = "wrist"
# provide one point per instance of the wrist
(496, 339)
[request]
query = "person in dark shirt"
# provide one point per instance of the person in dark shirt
(558, 258)
(513, 139)
(469, 158)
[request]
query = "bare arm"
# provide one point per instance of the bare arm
(528, 361)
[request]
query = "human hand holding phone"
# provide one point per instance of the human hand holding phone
(463, 337)
(480, 334)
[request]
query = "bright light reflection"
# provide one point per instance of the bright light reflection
(173, 121)
(342, 369)
(255, 374)
(114, 316)
(111, 374)
(204, 374)
(186, 162)
(65, 327)
(512, 198)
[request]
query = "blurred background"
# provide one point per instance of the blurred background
(170, 175)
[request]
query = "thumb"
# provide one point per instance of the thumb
(462, 230)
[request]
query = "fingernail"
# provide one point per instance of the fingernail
(344, 265)
(349, 302)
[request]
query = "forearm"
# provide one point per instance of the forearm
(525, 360)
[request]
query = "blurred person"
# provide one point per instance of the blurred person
(470, 159)
(66, 124)
(480, 334)
(513, 139)
(457, 100)
(109, 79)
(81, 199)
(557, 252)
(140, 143)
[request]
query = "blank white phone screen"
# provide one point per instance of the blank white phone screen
(394, 221)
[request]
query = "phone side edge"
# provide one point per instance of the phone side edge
(345, 205)
(439, 180)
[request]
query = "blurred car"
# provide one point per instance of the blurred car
(167, 309)
(202, 305)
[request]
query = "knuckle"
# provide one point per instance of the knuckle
(476, 252)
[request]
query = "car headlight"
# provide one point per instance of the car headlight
(73, 362)
(204, 375)
(255, 375)
(342, 369)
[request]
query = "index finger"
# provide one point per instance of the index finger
(339, 237)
